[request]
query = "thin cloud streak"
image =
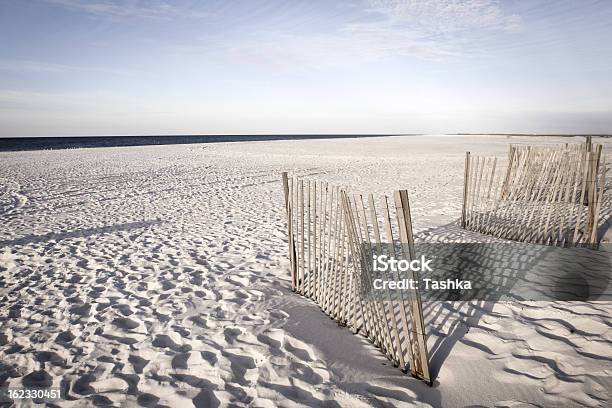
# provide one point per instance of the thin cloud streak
(147, 9)
(446, 16)
(47, 67)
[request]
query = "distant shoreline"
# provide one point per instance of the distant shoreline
(31, 143)
(76, 142)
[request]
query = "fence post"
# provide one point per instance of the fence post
(588, 145)
(289, 210)
(583, 192)
(512, 151)
(466, 176)
(592, 197)
(420, 366)
(599, 198)
(302, 266)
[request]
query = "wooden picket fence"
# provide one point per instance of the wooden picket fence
(542, 194)
(332, 238)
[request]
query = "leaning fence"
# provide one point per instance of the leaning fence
(332, 238)
(542, 194)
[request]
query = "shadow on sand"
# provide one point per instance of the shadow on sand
(79, 233)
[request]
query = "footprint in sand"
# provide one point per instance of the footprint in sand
(124, 309)
(231, 334)
(65, 338)
(125, 323)
(241, 366)
(37, 379)
(138, 363)
(165, 341)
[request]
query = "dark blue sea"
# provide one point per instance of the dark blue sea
(44, 143)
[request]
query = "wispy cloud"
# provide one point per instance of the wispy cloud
(117, 9)
(431, 29)
(345, 47)
(444, 16)
(53, 68)
(426, 29)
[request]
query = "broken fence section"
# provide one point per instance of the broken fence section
(332, 238)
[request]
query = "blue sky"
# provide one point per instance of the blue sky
(100, 67)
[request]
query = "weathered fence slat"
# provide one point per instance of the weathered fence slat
(419, 366)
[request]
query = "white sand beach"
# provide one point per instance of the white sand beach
(158, 276)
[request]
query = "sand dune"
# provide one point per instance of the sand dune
(157, 275)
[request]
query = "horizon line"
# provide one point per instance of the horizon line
(310, 134)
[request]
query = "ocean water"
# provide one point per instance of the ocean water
(44, 143)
